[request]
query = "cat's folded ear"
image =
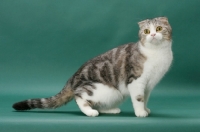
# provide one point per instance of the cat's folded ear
(163, 19)
(141, 23)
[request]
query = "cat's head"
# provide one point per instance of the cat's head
(155, 30)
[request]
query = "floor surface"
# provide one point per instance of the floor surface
(172, 109)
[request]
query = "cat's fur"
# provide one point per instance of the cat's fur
(102, 83)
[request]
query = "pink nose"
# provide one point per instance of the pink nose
(153, 34)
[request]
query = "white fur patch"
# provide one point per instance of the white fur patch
(159, 59)
(109, 97)
(86, 109)
(44, 102)
(123, 89)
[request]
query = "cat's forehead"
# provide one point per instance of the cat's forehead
(155, 22)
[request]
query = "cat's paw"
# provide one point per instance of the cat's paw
(92, 113)
(115, 111)
(111, 111)
(141, 113)
(148, 110)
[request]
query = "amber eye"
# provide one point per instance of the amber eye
(147, 31)
(159, 28)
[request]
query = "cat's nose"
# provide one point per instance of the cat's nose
(153, 34)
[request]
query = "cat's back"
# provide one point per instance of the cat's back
(108, 68)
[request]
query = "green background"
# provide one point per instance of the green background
(43, 42)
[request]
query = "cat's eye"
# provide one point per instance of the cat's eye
(159, 28)
(146, 31)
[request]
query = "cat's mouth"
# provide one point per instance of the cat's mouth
(154, 39)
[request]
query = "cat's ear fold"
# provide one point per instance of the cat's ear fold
(163, 20)
(141, 23)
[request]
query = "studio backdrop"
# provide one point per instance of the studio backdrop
(44, 42)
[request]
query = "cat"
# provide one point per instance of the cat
(104, 82)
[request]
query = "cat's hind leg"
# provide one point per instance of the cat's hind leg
(86, 108)
(110, 111)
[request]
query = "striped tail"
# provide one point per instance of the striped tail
(58, 100)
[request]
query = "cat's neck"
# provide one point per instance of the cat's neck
(162, 46)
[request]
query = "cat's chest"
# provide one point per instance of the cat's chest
(156, 65)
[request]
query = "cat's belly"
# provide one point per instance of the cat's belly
(105, 97)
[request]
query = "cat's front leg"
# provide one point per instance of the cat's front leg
(137, 92)
(146, 98)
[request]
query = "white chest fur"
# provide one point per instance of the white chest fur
(159, 59)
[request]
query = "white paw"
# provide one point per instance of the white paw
(141, 113)
(115, 111)
(148, 110)
(111, 111)
(92, 113)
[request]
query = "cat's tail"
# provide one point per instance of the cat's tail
(58, 100)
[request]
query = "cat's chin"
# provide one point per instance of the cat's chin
(155, 41)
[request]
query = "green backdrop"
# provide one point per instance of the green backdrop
(43, 42)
